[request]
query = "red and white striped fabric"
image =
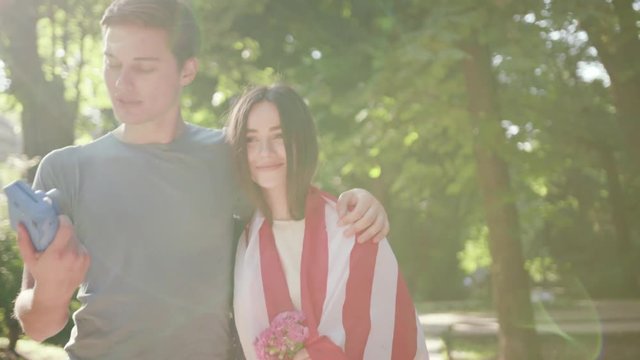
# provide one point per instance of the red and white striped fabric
(355, 300)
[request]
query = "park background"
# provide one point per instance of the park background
(502, 137)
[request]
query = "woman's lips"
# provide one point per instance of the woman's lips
(269, 166)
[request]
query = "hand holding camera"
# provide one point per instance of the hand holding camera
(36, 210)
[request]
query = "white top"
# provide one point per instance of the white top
(289, 237)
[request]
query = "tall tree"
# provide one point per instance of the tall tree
(612, 28)
(614, 32)
(43, 47)
(517, 334)
(47, 117)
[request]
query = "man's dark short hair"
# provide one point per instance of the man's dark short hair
(173, 16)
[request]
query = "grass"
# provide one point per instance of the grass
(31, 350)
(583, 346)
(453, 306)
(473, 350)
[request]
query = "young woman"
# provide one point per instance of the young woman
(291, 256)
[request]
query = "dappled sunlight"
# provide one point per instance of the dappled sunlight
(501, 137)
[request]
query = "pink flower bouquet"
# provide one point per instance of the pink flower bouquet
(283, 338)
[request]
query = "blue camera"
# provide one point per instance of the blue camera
(36, 210)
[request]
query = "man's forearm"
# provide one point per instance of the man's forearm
(40, 319)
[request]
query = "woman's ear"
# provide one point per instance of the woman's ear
(189, 71)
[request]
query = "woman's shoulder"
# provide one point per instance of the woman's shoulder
(329, 200)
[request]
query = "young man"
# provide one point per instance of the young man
(152, 205)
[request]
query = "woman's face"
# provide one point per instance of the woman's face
(266, 152)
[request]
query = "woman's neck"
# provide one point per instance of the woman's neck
(276, 199)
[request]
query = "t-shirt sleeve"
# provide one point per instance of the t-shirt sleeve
(44, 175)
(242, 207)
(51, 175)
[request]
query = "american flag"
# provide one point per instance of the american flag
(355, 300)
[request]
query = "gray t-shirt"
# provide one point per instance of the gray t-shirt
(157, 222)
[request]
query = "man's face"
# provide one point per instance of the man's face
(142, 74)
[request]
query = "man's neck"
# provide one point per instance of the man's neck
(150, 133)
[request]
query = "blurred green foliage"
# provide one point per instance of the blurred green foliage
(384, 81)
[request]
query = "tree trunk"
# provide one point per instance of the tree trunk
(510, 282)
(619, 51)
(47, 118)
(624, 246)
